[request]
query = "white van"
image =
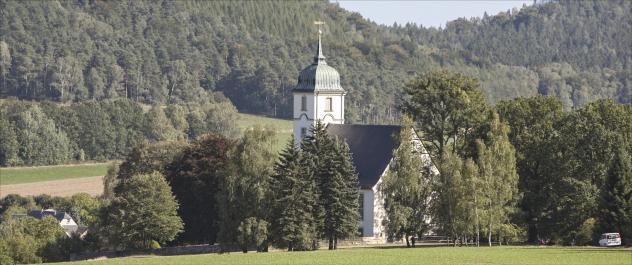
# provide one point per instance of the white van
(610, 240)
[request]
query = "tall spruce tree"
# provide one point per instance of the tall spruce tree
(616, 198)
(293, 195)
(337, 182)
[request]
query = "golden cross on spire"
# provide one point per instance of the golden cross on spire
(319, 23)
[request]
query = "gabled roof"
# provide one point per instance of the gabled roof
(39, 214)
(371, 148)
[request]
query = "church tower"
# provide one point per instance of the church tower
(318, 95)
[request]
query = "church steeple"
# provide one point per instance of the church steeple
(319, 58)
(318, 95)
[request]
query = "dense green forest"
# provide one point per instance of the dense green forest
(178, 51)
(47, 133)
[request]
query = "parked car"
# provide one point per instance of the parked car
(610, 240)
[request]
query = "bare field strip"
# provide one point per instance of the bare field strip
(62, 187)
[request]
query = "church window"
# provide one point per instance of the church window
(303, 103)
(329, 106)
(303, 132)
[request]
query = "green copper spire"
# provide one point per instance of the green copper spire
(319, 76)
(319, 58)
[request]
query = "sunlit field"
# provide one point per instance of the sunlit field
(386, 255)
(17, 175)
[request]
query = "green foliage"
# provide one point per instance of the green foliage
(195, 175)
(293, 196)
(337, 184)
(40, 141)
(447, 106)
(146, 158)
(585, 234)
(14, 200)
(100, 130)
(244, 189)
(143, 209)
(83, 208)
(252, 51)
(30, 240)
(407, 189)
(154, 245)
(497, 166)
(252, 232)
(8, 144)
(159, 127)
(110, 181)
(534, 133)
(616, 197)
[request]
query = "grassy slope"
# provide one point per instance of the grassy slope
(18, 175)
(283, 128)
(430, 256)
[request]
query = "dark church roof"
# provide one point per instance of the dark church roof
(371, 147)
(39, 214)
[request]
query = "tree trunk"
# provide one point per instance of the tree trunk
(331, 243)
(532, 231)
(407, 242)
(335, 243)
(478, 228)
(489, 234)
(500, 237)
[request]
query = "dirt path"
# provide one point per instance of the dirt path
(63, 187)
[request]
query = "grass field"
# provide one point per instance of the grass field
(18, 175)
(283, 128)
(424, 255)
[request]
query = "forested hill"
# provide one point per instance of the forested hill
(252, 51)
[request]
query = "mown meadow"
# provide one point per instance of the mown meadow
(392, 255)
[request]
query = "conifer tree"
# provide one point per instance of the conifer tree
(616, 198)
(293, 195)
(337, 182)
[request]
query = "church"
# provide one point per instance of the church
(319, 96)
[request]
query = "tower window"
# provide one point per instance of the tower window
(303, 103)
(329, 106)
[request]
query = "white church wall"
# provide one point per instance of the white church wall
(310, 104)
(303, 119)
(379, 213)
(336, 114)
(367, 212)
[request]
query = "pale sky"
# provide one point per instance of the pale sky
(426, 13)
